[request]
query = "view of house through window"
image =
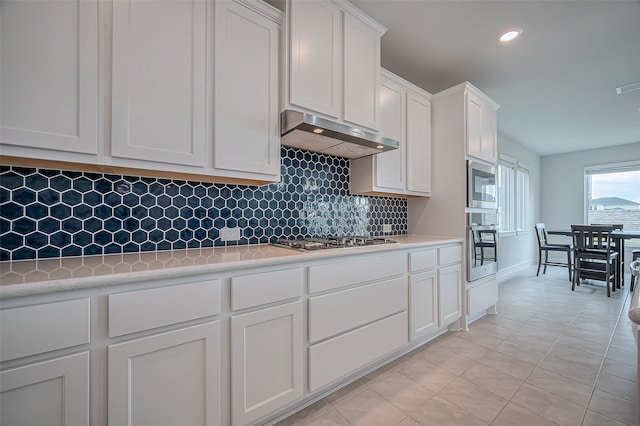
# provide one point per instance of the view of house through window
(613, 195)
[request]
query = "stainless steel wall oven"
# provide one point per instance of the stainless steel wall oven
(482, 245)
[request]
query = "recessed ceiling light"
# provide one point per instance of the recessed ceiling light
(628, 88)
(510, 34)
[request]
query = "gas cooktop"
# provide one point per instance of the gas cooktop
(310, 244)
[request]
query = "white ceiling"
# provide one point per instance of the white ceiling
(555, 84)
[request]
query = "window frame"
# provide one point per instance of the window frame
(517, 193)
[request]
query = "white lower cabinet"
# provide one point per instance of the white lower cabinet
(423, 308)
(170, 379)
(336, 358)
(266, 361)
(450, 291)
(49, 393)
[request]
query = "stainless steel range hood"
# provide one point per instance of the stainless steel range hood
(307, 131)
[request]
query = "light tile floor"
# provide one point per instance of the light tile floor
(550, 357)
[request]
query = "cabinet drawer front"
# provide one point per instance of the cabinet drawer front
(342, 274)
(335, 313)
(423, 259)
(336, 358)
(146, 309)
(268, 287)
(482, 297)
(31, 330)
(447, 255)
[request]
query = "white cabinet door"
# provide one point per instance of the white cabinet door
(423, 304)
(315, 75)
(489, 135)
(266, 361)
(49, 75)
(246, 125)
(450, 292)
(49, 393)
(390, 167)
(418, 144)
(159, 81)
(361, 73)
(167, 379)
(481, 129)
(474, 125)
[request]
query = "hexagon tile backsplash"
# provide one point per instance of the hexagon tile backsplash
(52, 213)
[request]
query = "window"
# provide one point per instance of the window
(513, 195)
(612, 194)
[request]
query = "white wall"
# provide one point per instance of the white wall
(519, 251)
(562, 182)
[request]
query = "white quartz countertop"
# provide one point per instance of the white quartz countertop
(23, 278)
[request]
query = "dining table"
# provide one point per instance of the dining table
(618, 234)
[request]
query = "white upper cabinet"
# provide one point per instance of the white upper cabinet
(49, 78)
(391, 165)
(333, 57)
(163, 87)
(418, 144)
(405, 116)
(315, 40)
(159, 81)
(361, 83)
(482, 141)
(246, 125)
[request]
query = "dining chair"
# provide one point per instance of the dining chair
(618, 244)
(594, 255)
(545, 247)
(635, 255)
(485, 239)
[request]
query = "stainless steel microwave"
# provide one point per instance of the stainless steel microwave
(482, 186)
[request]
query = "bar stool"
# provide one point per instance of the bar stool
(635, 255)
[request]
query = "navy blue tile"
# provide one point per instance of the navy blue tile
(12, 210)
(35, 182)
(139, 236)
(140, 188)
(82, 184)
(121, 237)
(103, 238)
(131, 200)
(91, 250)
(48, 252)
(60, 183)
(131, 247)
(103, 186)
(48, 197)
(92, 198)
(112, 199)
(12, 180)
(36, 240)
(11, 241)
(179, 201)
(92, 225)
(171, 235)
(61, 211)
(24, 196)
(71, 198)
(82, 238)
(72, 250)
(24, 253)
(60, 239)
(71, 225)
(82, 211)
(49, 225)
(121, 212)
